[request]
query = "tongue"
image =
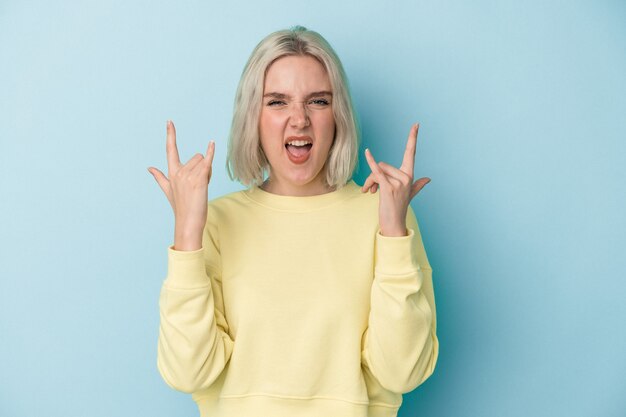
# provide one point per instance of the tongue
(298, 151)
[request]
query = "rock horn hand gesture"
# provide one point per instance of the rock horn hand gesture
(397, 188)
(186, 190)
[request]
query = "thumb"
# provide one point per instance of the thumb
(162, 180)
(418, 185)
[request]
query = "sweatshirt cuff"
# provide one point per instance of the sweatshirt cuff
(185, 269)
(396, 255)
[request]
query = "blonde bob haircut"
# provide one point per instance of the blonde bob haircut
(246, 161)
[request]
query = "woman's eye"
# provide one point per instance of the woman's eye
(275, 102)
(321, 102)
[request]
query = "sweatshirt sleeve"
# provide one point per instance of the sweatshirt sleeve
(194, 344)
(400, 345)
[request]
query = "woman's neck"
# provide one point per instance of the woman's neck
(274, 187)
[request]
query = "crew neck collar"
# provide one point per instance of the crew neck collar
(300, 203)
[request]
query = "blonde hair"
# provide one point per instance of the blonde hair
(246, 161)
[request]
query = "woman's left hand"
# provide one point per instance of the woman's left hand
(397, 188)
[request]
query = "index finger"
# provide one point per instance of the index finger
(408, 162)
(173, 160)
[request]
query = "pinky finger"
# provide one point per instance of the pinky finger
(377, 172)
(205, 167)
(210, 152)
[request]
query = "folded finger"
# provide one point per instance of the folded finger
(395, 173)
(369, 181)
(193, 163)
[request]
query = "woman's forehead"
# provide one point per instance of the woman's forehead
(296, 75)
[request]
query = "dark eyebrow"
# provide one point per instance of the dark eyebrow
(283, 96)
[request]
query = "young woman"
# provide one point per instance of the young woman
(305, 294)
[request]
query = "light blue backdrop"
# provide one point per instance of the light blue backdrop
(523, 133)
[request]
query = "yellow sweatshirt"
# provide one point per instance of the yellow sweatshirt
(298, 307)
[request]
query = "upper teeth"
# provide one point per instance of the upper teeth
(299, 142)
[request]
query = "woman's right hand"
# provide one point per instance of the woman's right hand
(187, 191)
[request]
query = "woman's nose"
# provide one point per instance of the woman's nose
(299, 117)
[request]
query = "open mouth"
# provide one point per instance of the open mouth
(298, 151)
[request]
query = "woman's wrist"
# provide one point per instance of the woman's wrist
(187, 241)
(396, 231)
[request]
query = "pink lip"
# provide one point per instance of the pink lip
(302, 159)
(290, 138)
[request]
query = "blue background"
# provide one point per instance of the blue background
(523, 134)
